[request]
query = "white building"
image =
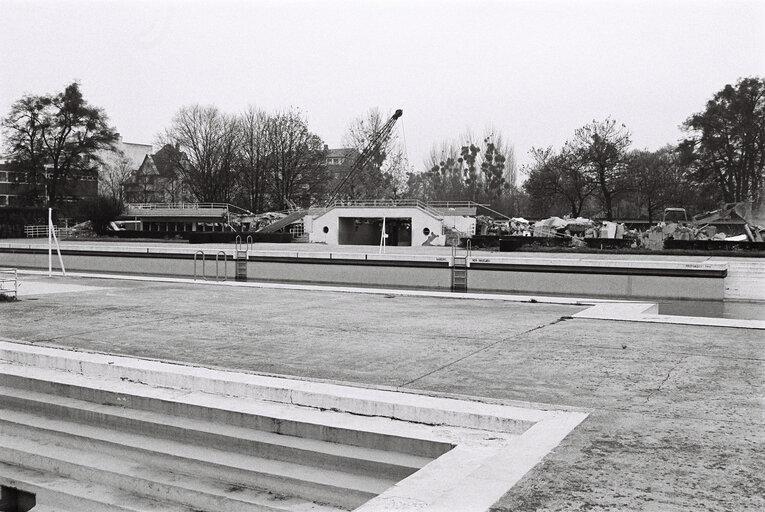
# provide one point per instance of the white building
(407, 222)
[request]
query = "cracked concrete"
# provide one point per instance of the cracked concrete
(697, 444)
(666, 378)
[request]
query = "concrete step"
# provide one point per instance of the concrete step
(86, 464)
(271, 417)
(227, 471)
(102, 421)
(65, 433)
(57, 493)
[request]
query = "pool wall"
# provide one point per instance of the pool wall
(601, 278)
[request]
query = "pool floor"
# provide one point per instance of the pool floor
(714, 309)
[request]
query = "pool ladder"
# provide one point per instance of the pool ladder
(460, 268)
(241, 255)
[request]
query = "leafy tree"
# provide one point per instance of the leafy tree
(207, 140)
(601, 148)
(55, 139)
(726, 146)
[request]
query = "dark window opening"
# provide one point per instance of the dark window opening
(368, 231)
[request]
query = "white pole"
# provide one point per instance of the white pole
(50, 242)
(60, 259)
(383, 236)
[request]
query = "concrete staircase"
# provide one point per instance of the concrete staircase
(81, 445)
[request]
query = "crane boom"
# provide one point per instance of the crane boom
(378, 141)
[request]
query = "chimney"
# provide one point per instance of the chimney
(326, 147)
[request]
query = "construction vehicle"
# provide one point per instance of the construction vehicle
(675, 223)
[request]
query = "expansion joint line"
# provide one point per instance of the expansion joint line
(477, 351)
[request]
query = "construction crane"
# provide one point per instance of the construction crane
(373, 148)
(370, 151)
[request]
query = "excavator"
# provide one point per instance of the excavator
(753, 226)
(372, 149)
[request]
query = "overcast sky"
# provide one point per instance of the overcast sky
(533, 70)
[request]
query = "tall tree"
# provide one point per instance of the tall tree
(727, 141)
(55, 139)
(601, 148)
(207, 140)
(297, 161)
(254, 157)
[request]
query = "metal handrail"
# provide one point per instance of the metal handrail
(225, 265)
(189, 206)
(247, 243)
(385, 203)
(204, 275)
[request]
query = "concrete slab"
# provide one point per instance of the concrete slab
(31, 288)
(676, 421)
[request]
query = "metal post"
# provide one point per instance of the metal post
(50, 242)
(204, 277)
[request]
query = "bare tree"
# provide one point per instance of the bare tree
(385, 174)
(117, 170)
(601, 148)
(297, 169)
(254, 157)
(207, 140)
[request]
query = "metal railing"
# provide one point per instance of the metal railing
(455, 204)
(217, 262)
(385, 203)
(189, 206)
(42, 231)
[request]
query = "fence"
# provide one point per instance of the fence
(41, 231)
